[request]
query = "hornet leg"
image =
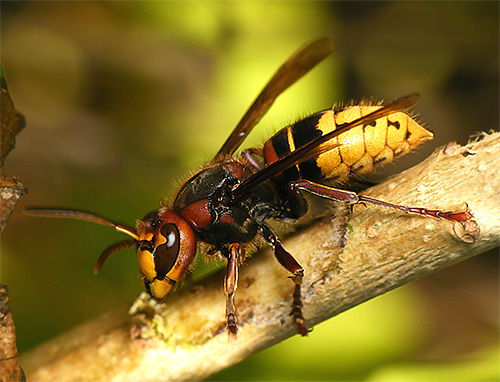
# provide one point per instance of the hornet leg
(350, 197)
(230, 285)
(292, 266)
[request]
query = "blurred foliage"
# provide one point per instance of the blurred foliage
(123, 99)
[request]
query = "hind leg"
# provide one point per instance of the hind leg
(292, 266)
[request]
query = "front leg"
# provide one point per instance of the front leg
(230, 286)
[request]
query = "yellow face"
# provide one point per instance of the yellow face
(166, 249)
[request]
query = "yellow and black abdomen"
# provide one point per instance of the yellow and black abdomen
(356, 151)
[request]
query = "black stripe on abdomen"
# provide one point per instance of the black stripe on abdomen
(303, 132)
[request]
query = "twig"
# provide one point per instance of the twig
(184, 338)
(12, 122)
(10, 371)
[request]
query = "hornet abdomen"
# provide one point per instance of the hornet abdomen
(355, 152)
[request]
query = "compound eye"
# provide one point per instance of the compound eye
(165, 254)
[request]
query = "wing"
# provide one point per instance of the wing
(318, 146)
(293, 69)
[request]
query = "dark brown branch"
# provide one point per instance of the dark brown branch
(380, 250)
(10, 191)
(10, 370)
(12, 123)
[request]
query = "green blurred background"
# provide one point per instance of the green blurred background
(123, 99)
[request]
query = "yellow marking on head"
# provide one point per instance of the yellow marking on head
(160, 288)
(146, 264)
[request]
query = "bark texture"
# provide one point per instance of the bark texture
(10, 370)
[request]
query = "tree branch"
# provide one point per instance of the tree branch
(10, 370)
(379, 251)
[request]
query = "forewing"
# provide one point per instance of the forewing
(293, 69)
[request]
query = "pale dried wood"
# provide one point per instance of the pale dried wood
(184, 339)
